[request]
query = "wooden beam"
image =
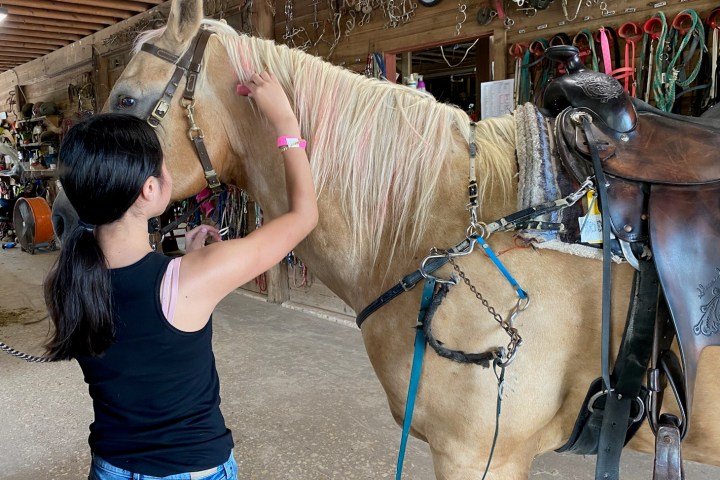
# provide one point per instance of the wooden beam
(73, 7)
(154, 2)
(122, 5)
(84, 29)
(34, 33)
(20, 54)
(16, 41)
(15, 60)
(37, 50)
(73, 17)
(7, 26)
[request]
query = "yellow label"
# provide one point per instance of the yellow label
(592, 203)
(591, 224)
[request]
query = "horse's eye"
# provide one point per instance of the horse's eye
(126, 102)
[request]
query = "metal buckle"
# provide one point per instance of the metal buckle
(594, 398)
(159, 112)
(405, 287)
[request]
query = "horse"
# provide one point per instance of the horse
(391, 170)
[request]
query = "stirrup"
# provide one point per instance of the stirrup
(668, 456)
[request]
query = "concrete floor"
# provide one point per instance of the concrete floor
(298, 392)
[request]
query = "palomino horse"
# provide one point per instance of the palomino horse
(391, 171)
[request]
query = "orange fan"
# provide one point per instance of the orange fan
(32, 219)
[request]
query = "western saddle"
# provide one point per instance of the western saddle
(658, 179)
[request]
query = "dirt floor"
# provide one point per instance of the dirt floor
(298, 392)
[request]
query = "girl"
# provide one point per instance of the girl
(140, 324)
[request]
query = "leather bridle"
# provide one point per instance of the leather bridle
(189, 66)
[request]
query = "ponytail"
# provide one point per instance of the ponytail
(78, 297)
(104, 162)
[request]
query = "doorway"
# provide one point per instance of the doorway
(451, 72)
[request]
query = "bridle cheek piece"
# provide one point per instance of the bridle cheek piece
(189, 66)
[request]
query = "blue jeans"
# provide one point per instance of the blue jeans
(102, 470)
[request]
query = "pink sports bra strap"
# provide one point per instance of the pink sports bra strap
(169, 293)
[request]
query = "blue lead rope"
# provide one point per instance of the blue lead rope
(513, 283)
(419, 353)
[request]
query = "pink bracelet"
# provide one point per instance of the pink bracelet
(286, 142)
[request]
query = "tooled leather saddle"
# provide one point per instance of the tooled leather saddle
(661, 179)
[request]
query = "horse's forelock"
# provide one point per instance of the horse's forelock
(147, 36)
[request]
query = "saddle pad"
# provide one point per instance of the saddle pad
(684, 227)
(541, 178)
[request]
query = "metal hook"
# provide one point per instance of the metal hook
(453, 252)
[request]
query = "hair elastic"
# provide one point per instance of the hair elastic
(86, 226)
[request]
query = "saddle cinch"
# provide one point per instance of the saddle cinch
(662, 177)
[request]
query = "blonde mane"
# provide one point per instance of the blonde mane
(381, 145)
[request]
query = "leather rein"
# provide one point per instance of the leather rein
(189, 66)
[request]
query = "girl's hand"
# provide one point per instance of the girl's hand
(195, 239)
(271, 99)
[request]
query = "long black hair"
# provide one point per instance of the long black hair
(103, 163)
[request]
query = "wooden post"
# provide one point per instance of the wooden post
(483, 63)
(405, 66)
(390, 67)
(499, 48)
(278, 285)
(265, 26)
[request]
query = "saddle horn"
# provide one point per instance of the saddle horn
(596, 92)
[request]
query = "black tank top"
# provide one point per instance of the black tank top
(155, 390)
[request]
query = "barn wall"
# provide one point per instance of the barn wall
(431, 26)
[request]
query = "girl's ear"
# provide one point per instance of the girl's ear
(149, 189)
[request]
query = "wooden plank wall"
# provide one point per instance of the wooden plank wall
(431, 26)
(47, 78)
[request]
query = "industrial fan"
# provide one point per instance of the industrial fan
(32, 219)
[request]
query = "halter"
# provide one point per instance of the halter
(189, 66)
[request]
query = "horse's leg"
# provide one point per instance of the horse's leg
(457, 462)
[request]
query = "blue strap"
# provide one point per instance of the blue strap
(513, 283)
(419, 353)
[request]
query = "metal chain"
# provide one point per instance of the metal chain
(512, 332)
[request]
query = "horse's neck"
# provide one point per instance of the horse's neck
(360, 276)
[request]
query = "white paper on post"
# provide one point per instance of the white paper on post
(496, 98)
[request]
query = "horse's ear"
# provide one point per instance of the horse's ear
(184, 20)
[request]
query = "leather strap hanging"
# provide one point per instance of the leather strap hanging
(523, 86)
(585, 43)
(542, 75)
(656, 29)
(607, 38)
(631, 32)
(687, 28)
(713, 21)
